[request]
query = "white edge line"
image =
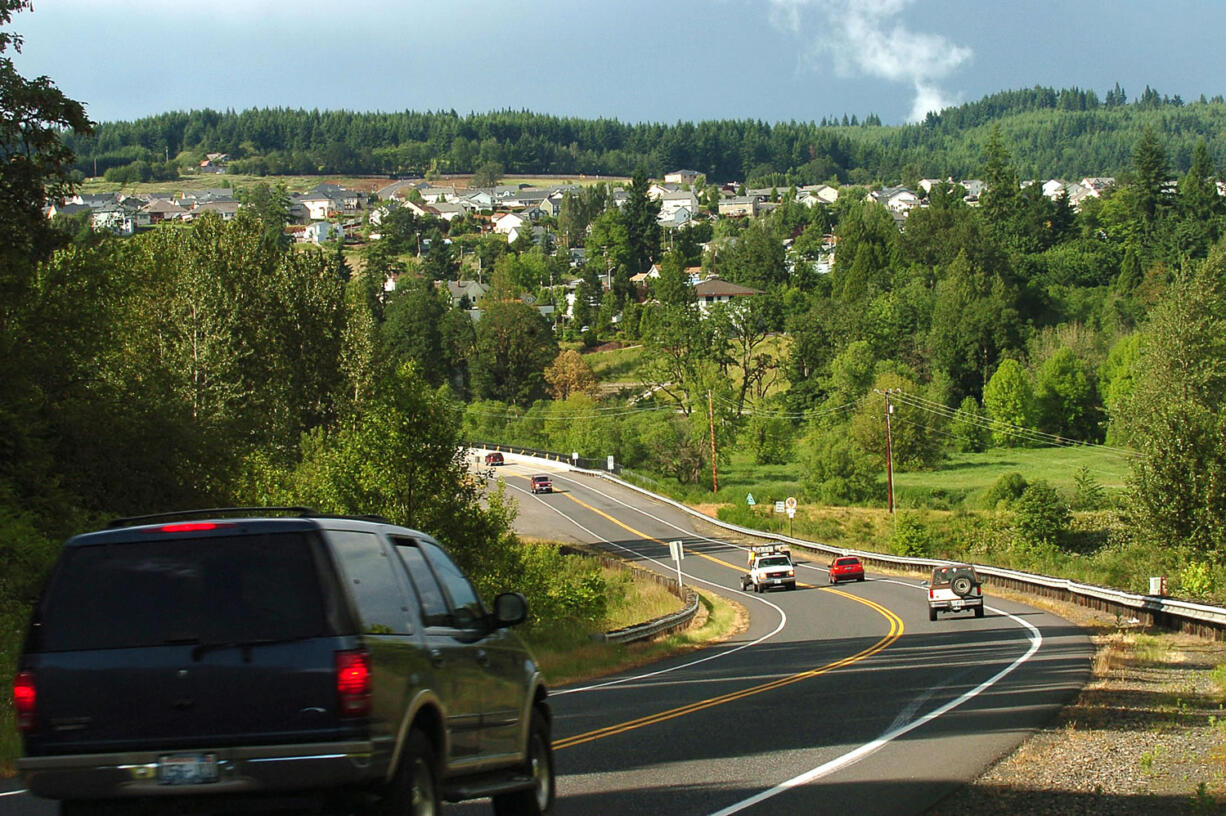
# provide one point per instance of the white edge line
(1036, 640)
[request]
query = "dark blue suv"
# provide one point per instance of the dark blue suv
(220, 660)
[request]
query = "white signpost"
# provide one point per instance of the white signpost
(677, 551)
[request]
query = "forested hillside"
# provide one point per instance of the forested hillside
(216, 363)
(1054, 133)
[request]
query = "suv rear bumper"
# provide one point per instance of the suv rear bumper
(241, 770)
(957, 604)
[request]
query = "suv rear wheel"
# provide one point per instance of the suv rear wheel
(538, 799)
(414, 790)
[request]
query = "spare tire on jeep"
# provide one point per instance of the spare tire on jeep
(962, 585)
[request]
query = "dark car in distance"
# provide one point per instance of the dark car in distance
(226, 660)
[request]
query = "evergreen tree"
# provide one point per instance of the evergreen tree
(639, 215)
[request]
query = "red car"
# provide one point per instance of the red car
(494, 458)
(846, 568)
(542, 484)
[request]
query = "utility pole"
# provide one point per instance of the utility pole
(889, 448)
(711, 422)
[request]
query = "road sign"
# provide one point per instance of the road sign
(791, 512)
(790, 502)
(677, 551)
(749, 500)
(779, 506)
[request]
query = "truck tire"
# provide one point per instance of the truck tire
(414, 790)
(962, 586)
(537, 800)
(979, 611)
(932, 613)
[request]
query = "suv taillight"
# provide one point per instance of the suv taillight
(23, 701)
(353, 683)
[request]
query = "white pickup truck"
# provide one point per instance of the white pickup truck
(769, 566)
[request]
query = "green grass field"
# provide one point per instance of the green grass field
(964, 478)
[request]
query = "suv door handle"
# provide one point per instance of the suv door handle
(437, 658)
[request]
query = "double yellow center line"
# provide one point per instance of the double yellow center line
(894, 633)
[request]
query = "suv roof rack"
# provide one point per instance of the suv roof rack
(128, 521)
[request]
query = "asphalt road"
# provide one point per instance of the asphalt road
(835, 700)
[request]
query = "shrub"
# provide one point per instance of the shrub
(1090, 494)
(1197, 581)
(911, 537)
(1007, 490)
(1040, 515)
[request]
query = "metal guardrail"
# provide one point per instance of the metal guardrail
(1153, 610)
(659, 626)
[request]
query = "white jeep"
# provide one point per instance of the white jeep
(954, 588)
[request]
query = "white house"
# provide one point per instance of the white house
(505, 223)
(317, 232)
(681, 177)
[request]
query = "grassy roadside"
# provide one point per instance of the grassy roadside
(1146, 735)
(572, 656)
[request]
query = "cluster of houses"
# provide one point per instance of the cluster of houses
(333, 212)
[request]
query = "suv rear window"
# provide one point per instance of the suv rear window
(191, 591)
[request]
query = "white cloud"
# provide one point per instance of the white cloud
(865, 38)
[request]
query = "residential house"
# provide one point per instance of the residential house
(677, 200)
(160, 209)
(460, 290)
(480, 199)
(433, 195)
(449, 211)
(319, 206)
(318, 232)
(505, 223)
(813, 194)
(738, 206)
(897, 199)
(550, 206)
(675, 219)
(226, 209)
(1054, 188)
(714, 290)
(657, 190)
(61, 209)
(114, 218)
(688, 177)
(524, 197)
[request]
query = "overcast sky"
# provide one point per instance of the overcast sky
(632, 60)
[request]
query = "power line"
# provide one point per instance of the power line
(998, 426)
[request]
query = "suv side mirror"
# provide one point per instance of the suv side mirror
(510, 608)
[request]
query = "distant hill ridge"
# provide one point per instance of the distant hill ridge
(1069, 133)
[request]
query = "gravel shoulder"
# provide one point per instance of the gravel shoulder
(1146, 735)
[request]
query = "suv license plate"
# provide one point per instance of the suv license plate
(187, 769)
(956, 606)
